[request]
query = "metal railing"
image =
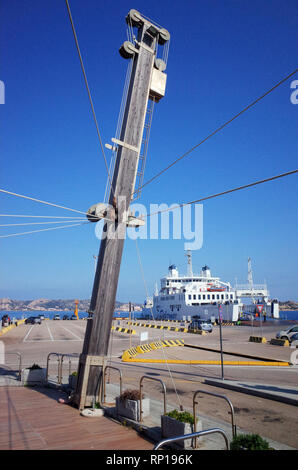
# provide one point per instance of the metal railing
(234, 430)
(70, 356)
(193, 435)
(104, 382)
(60, 360)
(48, 363)
(164, 393)
(20, 362)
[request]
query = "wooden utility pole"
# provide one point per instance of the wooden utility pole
(147, 81)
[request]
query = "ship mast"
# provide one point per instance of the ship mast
(249, 278)
(189, 263)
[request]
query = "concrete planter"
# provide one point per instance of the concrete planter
(33, 377)
(171, 427)
(131, 408)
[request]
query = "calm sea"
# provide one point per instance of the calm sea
(285, 315)
(19, 314)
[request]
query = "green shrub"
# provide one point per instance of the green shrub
(74, 374)
(249, 442)
(182, 416)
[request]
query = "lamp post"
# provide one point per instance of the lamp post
(220, 339)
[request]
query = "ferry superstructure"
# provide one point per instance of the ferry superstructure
(183, 297)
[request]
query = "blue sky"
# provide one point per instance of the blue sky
(223, 55)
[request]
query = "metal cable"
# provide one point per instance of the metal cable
(163, 349)
(88, 90)
(119, 124)
(40, 201)
(42, 230)
(40, 223)
(41, 216)
(219, 128)
(223, 193)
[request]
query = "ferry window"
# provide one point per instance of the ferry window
(231, 296)
(213, 296)
(217, 296)
(194, 297)
(227, 296)
(204, 296)
(222, 296)
(189, 297)
(208, 296)
(199, 297)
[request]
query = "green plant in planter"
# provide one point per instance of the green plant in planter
(182, 416)
(74, 374)
(34, 367)
(249, 442)
(130, 395)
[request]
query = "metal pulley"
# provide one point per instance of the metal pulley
(101, 211)
(134, 18)
(163, 36)
(127, 50)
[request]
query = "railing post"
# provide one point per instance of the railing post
(234, 429)
(61, 365)
(104, 381)
(20, 361)
(48, 361)
(164, 394)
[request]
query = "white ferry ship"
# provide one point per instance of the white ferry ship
(183, 297)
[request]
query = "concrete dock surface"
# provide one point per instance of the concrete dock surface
(256, 410)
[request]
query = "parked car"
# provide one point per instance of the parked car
(5, 320)
(294, 340)
(42, 317)
(65, 317)
(73, 317)
(33, 321)
(203, 325)
(287, 334)
(56, 317)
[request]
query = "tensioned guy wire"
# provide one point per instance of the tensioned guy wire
(41, 216)
(42, 230)
(219, 128)
(222, 193)
(40, 223)
(40, 201)
(88, 90)
(163, 349)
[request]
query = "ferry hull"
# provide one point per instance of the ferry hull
(230, 312)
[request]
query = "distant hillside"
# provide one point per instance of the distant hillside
(60, 304)
(288, 305)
